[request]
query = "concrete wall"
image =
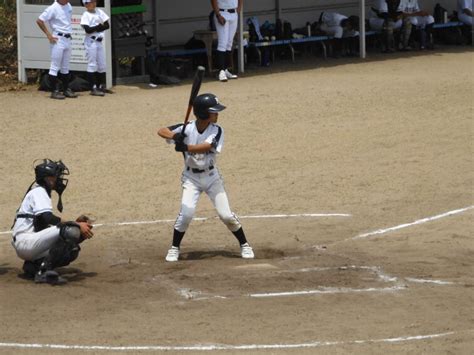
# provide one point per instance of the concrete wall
(177, 19)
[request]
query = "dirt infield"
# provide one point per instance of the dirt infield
(379, 152)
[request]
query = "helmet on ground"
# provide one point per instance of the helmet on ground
(52, 168)
(205, 104)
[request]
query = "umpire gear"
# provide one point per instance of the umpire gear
(205, 104)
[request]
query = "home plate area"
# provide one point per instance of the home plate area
(280, 279)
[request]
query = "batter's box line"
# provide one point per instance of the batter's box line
(197, 295)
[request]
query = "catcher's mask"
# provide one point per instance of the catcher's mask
(52, 168)
(205, 104)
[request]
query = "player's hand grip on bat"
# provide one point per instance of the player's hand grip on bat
(181, 147)
(179, 137)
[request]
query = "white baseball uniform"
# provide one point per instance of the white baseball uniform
(465, 4)
(94, 41)
(376, 23)
(411, 6)
(226, 32)
(201, 175)
(31, 245)
(59, 19)
(331, 25)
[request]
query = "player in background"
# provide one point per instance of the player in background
(226, 18)
(58, 17)
(95, 22)
(200, 143)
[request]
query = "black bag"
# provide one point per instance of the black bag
(439, 13)
(287, 30)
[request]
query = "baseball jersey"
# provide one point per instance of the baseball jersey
(464, 4)
(227, 4)
(213, 135)
(409, 6)
(58, 17)
(36, 201)
(332, 18)
(92, 19)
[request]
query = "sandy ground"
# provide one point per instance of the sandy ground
(387, 141)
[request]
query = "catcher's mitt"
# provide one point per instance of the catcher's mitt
(85, 218)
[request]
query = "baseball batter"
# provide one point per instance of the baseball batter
(226, 16)
(200, 143)
(95, 22)
(43, 240)
(58, 16)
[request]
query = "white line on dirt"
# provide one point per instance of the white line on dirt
(299, 215)
(420, 221)
(211, 347)
(425, 281)
(328, 290)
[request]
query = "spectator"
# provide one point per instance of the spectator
(422, 20)
(387, 19)
(226, 16)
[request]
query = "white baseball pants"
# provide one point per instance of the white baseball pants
(95, 56)
(226, 32)
(212, 184)
(32, 246)
(60, 56)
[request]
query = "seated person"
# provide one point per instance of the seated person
(465, 11)
(413, 16)
(343, 29)
(386, 19)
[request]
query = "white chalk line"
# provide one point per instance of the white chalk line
(405, 225)
(212, 347)
(298, 215)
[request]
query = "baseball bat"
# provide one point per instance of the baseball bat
(194, 92)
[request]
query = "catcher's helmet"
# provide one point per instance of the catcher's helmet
(205, 104)
(52, 168)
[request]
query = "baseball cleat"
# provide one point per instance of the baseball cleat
(70, 94)
(173, 254)
(222, 76)
(50, 277)
(57, 95)
(246, 251)
(229, 75)
(97, 92)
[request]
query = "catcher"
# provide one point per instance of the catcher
(43, 240)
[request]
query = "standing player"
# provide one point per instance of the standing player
(200, 143)
(58, 16)
(45, 241)
(226, 18)
(95, 22)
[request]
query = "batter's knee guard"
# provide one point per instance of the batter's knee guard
(231, 221)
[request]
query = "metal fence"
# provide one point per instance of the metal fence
(8, 37)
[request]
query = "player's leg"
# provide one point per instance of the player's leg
(189, 200)
(222, 37)
(56, 58)
(92, 60)
(218, 196)
(101, 67)
(64, 71)
(233, 22)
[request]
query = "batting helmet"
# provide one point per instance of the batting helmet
(52, 168)
(205, 104)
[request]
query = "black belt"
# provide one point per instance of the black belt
(65, 35)
(199, 171)
(231, 11)
(98, 39)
